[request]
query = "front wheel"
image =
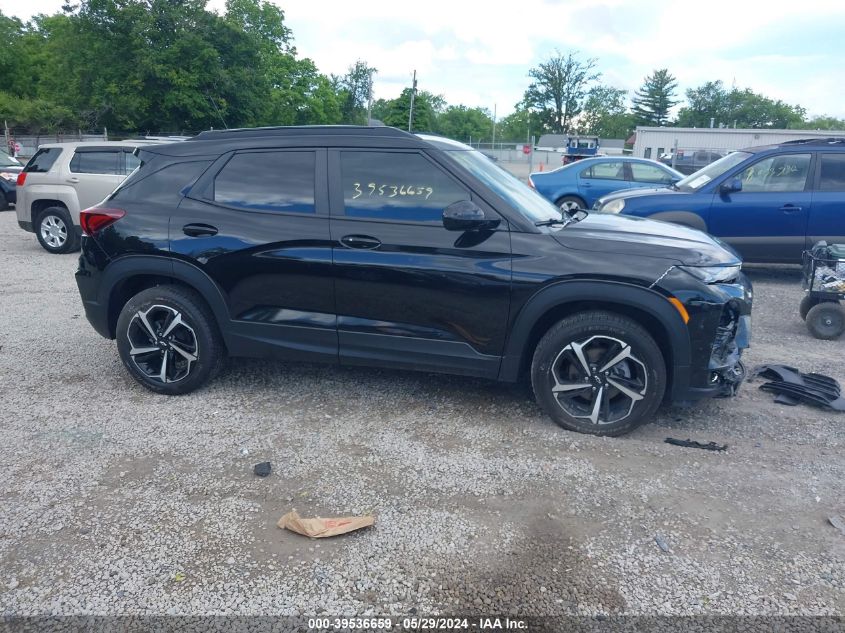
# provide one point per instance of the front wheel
(826, 320)
(598, 372)
(571, 204)
(168, 340)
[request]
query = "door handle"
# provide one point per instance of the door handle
(790, 208)
(360, 241)
(586, 184)
(199, 230)
(73, 180)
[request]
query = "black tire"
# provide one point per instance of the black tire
(55, 231)
(806, 303)
(601, 337)
(826, 320)
(195, 335)
(567, 204)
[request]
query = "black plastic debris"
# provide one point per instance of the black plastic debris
(793, 387)
(263, 469)
(709, 446)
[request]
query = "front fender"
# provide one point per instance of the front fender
(605, 294)
(684, 218)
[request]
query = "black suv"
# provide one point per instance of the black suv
(372, 246)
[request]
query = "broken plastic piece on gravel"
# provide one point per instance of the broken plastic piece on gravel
(710, 446)
(661, 543)
(321, 528)
(263, 469)
(838, 522)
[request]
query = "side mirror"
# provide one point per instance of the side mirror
(465, 215)
(731, 186)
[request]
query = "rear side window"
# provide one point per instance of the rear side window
(97, 162)
(165, 186)
(642, 172)
(396, 186)
(130, 161)
(268, 181)
(832, 172)
(43, 160)
(605, 171)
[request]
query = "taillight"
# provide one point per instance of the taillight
(96, 219)
(21, 179)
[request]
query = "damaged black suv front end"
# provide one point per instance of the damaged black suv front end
(717, 301)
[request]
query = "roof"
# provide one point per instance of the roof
(214, 142)
(127, 143)
(731, 130)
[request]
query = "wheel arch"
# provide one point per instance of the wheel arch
(130, 275)
(548, 306)
(570, 194)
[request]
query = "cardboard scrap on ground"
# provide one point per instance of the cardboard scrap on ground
(321, 528)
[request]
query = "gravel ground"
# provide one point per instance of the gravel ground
(114, 500)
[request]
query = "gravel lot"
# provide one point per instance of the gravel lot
(114, 500)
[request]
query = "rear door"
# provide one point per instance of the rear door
(409, 292)
(767, 220)
(94, 172)
(257, 224)
(600, 179)
(827, 215)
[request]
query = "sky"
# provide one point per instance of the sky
(479, 53)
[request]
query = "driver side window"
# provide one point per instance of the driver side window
(777, 173)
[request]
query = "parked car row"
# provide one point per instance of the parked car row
(10, 167)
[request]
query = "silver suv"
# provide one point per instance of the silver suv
(63, 178)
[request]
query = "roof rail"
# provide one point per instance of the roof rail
(301, 130)
(830, 140)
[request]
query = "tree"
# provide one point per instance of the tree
(606, 113)
(519, 125)
(653, 101)
(824, 122)
(559, 88)
(462, 123)
(741, 108)
(356, 87)
(397, 111)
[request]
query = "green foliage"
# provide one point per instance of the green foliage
(737, 108)
(823, 123)
(653, 101)
(463, 123)
(559, 89)
(355, 88)
(606, 113)
(397, 111)
(519, 125)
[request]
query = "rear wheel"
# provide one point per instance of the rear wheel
(55, 231)
(806, 304)
(168, 340)
(570, 204)
(826, 320)
(598, 372)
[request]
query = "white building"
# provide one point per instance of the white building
(651, 142)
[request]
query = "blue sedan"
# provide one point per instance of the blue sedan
(580, 184)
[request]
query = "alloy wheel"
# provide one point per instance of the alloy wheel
(54, 231)
(598, 379)
(569, 207)
(161, 344)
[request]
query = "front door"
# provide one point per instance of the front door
(767, 220)
(258, 226)
(408, 292)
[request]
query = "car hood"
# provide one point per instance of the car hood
(640, 191)
(640, 237)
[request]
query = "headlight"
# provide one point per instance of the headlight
(713, 274)
(614, 206)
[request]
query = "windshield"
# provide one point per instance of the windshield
(519, 195)
(8, 161)
(697, 180)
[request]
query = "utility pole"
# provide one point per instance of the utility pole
(413, 93)
(370, 98)
(494, 126)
